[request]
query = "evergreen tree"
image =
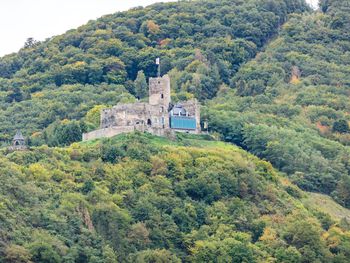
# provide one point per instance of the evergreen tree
(14, 96)
(30, 42)
(341, 126)
(141, 86)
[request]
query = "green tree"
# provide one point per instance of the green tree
(304, 234)
(112, 223)
(64, 133)
(141, 86)
(342, 192)
(17, 254)
(288, 255)
(92, 117)
(341, 126)
(15, 95)
(155, 256)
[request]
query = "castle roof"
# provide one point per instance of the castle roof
(179, 110)
(18, 136)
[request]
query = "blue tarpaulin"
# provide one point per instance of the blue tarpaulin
(182, 123)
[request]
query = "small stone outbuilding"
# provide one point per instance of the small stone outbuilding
(18, 142)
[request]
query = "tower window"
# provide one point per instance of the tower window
(149, 122)
(162, 96)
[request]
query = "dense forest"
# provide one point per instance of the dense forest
(290, 105)
(138, 198)
(273, 79)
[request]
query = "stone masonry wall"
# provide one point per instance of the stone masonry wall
(159, 91)
(124, 115)
(107, 132)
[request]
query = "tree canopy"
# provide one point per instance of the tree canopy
(273, 80)
(139, 198)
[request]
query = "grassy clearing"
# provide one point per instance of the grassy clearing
(182, 139)
(326, 204)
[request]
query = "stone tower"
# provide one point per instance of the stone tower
(159, 91)
(159, 96)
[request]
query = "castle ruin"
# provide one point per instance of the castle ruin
(159, 116)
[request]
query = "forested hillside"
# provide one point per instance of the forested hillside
(201, 43)
(138, 198)
(273, 78)
(291, 105)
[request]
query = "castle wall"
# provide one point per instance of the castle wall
(159, 116)
(124, 115)
(155, 116)
(107, 132)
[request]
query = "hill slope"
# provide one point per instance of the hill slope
(291, 103)
(325, 204)
(202, 44)
(138, 198)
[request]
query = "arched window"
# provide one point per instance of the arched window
(149, 122)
